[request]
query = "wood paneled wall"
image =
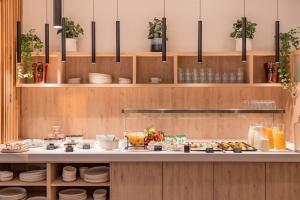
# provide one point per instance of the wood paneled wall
(94, 111)
(10, 13)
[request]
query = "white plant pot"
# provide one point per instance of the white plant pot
(71, 44)
(239, 44)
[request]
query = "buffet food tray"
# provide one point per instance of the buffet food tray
(232, 146)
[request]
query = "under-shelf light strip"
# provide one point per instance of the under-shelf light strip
(63, 34)
(244, 35)
(200, 33)
(93, 35)
(277, 35)
(118, 46)
(164, 34)
(46, 35)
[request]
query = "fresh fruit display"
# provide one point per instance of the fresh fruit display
(230, 146)
(153, 135)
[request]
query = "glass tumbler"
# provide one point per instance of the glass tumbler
(279, 137)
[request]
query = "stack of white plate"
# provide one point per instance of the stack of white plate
(74, 80)
(33, 176)
(124, 80)
(72, 194)
(37, 198)
(97, 78)
(13, 193)
(100, 194)
(6, 176)
(97, 174)
(69, 173)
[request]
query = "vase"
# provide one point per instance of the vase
(239, 44)
(156, 45)
(39, 72)
(71, 44)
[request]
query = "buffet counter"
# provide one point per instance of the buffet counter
(98, 155)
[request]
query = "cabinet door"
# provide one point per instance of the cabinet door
(191, 181)
(244, 181)
(283, 181)
(136, 181)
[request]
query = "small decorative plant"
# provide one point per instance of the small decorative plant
(288, 42)
(30, 42)
(155, 29)
(237, 26)
(72, 30)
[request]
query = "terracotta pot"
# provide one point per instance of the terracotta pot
(39, 72)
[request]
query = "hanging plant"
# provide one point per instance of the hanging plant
(30, 42)
(288, 42)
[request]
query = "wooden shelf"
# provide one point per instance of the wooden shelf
(181, 85)
(17, 182)
(78, 183)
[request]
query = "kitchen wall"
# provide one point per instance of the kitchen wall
(218, 16)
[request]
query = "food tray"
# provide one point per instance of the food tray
(203, 146)
(230, 146)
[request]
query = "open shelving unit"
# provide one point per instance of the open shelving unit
(140, 66)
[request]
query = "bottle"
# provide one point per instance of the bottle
(297, 136)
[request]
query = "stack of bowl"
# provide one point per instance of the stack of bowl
(97, 78)
(13, 193)
(97, 174)
(74, 80)
(69, 174)
(124, 80)
(33, 176)
(72, 194)
(6, 176)
(100, 194)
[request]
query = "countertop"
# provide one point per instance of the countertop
(96, 154)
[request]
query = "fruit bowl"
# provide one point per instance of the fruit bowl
(136, 138)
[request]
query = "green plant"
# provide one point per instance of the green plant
(30, 42)
(237, 26)
(288, 42)
(155, 28)
(72, 30)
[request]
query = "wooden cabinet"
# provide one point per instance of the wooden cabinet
(192, 181)
(283, 181)
(244, 181)
(136, 181)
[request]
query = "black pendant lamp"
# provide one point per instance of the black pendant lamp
(57, 14)
(118, 40)
(93, 36)
(19, 51)
(200, 34)
(63, 37)
(47, 36)
(164, 35)
(277, 36)
(244, 35)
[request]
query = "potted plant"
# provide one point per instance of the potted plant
(155, 34)
(30, 42)
(288, 42)
(237, 34)
(73, 32)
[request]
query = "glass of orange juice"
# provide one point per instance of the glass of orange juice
(279, 137)
(268, 133)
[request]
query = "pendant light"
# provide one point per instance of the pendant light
(63, 35)
(118, 46)
(164, 34)
(93, 35)
(19, 51)
(47, 36)
(57, 14)
(200, 34)
(244, 35)
(277, 36)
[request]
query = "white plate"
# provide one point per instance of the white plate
(37, 198)
(13, 193)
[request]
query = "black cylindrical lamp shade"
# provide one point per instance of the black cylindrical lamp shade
(57, 13)
(277, 41)
(93, 42)
(164, 39)
(244, 39)
(200, 41)
(118, 40)
(63, 40)
(19, 51)
(47, 43)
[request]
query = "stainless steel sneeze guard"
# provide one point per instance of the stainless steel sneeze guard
(167, 110)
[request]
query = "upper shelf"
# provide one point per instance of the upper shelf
(206, 111)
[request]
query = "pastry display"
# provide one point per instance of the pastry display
(230, 146)
(203, 146)
(15, 148)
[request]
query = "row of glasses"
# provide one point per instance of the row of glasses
(208, 75)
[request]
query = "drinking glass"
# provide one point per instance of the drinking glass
(225, 77)
(180, 75)
(202, 75)
(195, 75)
(240, 75)
(217, 77)
(232, 77)
(279, 137)
(188, 76)
(210, 75)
